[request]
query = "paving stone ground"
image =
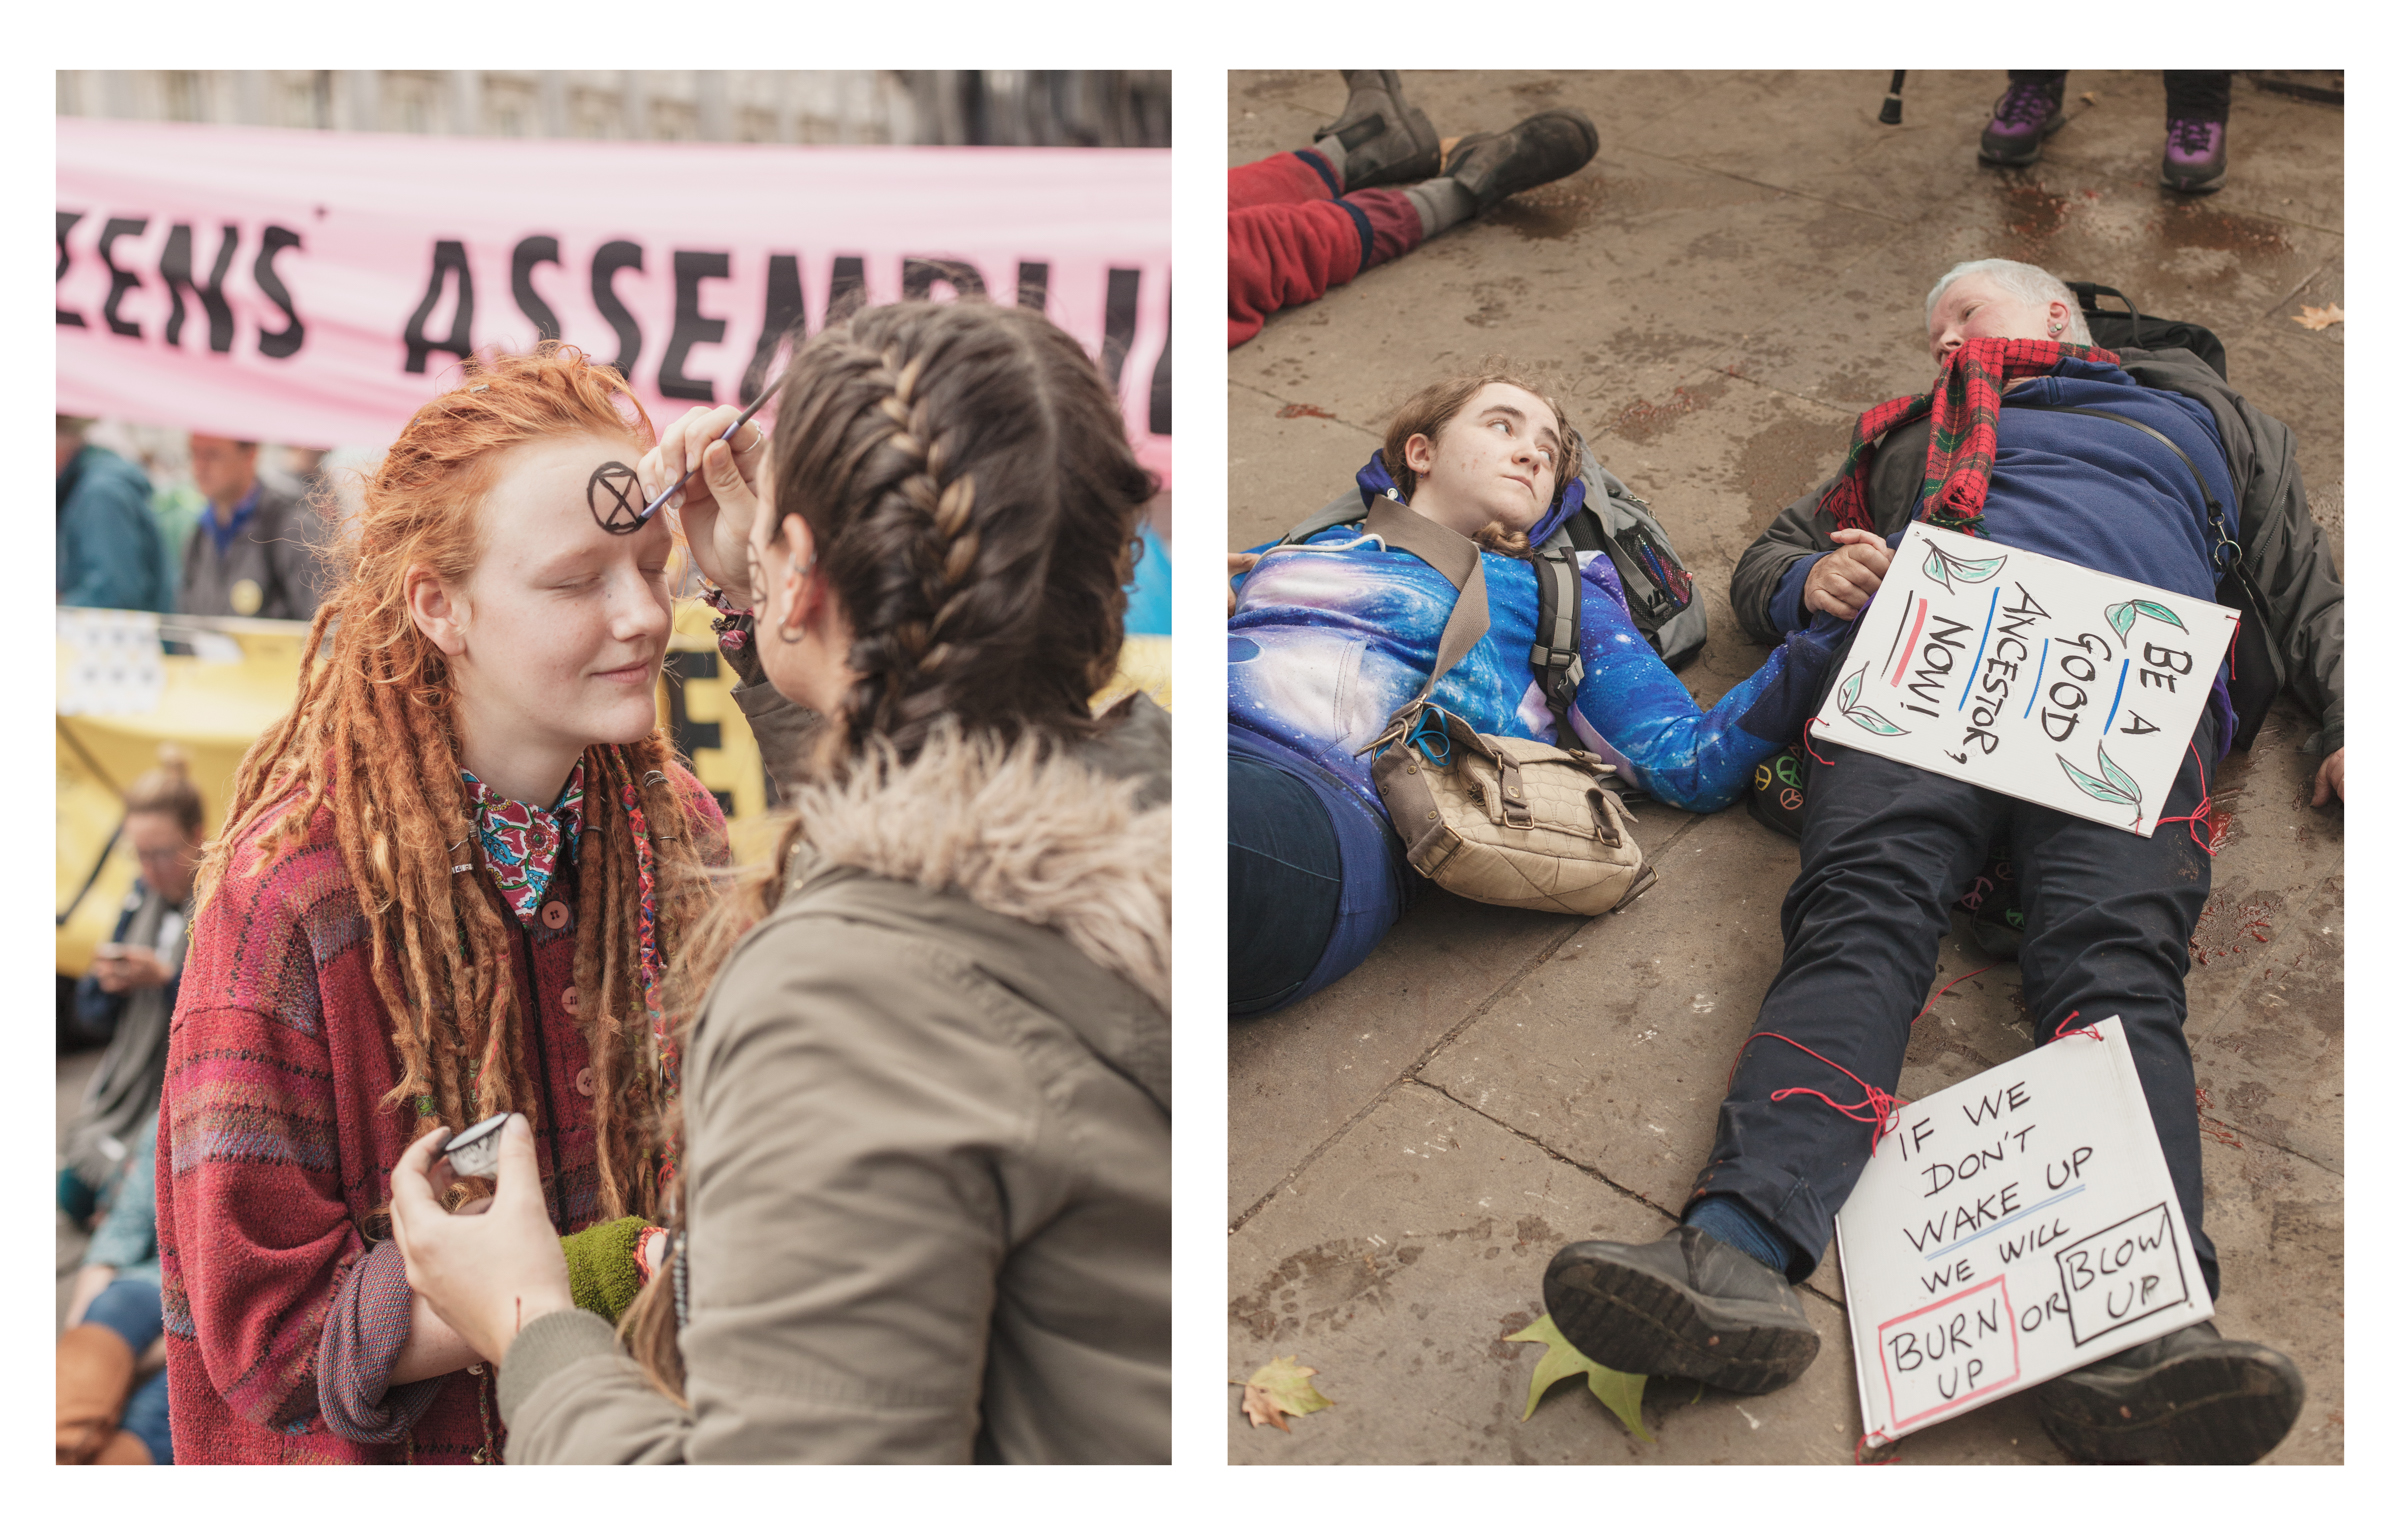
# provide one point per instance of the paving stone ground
(1738, 274)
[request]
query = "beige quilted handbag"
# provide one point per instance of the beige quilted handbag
(1498, 819)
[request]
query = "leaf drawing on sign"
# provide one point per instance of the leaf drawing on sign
(1619, 1392)
(2116, 787)
(1859, 714)
(2122, 614)
(1279, 1387)
(1941, 567)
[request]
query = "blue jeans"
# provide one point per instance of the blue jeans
(1314, 879)
(130, 1309)
(1884, 850)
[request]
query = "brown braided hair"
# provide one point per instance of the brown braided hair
(372, 734)
(964, 472)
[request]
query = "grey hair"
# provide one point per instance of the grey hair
(2023, 279)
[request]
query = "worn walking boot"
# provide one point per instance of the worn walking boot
(1491, 166)
(2191, 1398)
(1385, 140)
(1687, 1305)
(2195, 156)
(95, 1373)
(2027, 112)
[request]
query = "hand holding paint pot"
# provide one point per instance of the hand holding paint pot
(717, 503)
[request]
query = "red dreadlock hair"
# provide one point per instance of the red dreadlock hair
(373, 735)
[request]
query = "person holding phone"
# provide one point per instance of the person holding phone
(129, 993)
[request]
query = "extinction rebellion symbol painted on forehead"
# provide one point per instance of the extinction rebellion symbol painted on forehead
(614, 493)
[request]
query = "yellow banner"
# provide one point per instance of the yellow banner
(130, 682)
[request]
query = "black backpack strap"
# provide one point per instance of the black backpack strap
(2216, 513)
(1557, 651)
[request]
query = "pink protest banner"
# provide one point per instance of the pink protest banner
(317, 288)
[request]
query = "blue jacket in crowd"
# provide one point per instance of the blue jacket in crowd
(109, 552)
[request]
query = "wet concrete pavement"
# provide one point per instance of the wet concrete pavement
(1737, 275)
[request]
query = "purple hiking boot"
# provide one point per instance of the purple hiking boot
(2195, 157)
(2026, 113)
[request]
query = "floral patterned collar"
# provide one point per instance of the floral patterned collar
(522, 843)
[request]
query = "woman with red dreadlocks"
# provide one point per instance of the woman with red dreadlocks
(923, 1215)
(447, 884)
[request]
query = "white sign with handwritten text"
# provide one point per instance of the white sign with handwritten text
(2026, 674)
(2010, 1229)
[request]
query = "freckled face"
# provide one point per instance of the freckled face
(1496, 460)
(566, 623)
(1975, 307)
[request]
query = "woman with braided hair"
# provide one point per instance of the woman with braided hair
(446, 885)
(924, 1124)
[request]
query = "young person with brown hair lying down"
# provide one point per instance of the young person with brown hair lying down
(1329, 636)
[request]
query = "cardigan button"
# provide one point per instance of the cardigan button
(583, 1081)
(570, 999)
(554, 915)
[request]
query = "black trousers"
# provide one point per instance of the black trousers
(1884, 850)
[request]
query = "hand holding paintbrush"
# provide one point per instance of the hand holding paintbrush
(706, 471)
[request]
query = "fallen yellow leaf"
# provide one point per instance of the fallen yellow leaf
(2317, 319)
(1619, 1392)
(1278, 1388)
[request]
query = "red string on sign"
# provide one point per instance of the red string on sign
(2199, 812)
(2089, 1031)
(1811, 750)
(1859, 1449)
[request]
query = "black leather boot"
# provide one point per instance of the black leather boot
(1542, 148)
(1686, 1304)
(1386, 141)
(2191, 1398)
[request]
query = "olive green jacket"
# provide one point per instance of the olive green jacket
(927, 1106)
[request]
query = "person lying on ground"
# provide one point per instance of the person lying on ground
(1885, 849)
(446, 882)
(1330, 636)
(924, 1127)
(1373, 187)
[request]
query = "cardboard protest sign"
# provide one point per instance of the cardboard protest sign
(2010, 1229)
(2022, 673)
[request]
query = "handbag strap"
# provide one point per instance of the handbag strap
(1458, 559)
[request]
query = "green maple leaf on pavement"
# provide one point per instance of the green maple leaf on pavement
(1619, 1392)
(1279, 1387)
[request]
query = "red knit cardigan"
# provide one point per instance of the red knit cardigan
(273, 1150)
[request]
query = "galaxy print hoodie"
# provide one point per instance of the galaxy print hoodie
(1330, 637)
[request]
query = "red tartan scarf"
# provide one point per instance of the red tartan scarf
(1965, 405)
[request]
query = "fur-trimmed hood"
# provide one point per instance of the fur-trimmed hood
(1075, 841)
